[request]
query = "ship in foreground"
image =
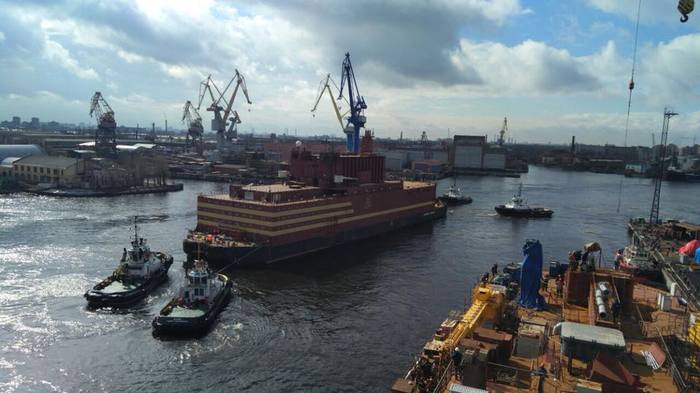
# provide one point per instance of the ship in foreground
(517, 207)
(564, 330)
(330, 199)
(197, 305)
(140, 271)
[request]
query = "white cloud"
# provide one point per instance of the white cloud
(2, 36)
(669, 72)
(57, 53)
(421, 65)
(533, 68)
(652, 11)
(129, 57)
(181, 72)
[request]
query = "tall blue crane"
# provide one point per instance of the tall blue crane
(357, 119)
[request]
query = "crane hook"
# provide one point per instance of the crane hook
(685, 7)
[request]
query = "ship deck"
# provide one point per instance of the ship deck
(118, 287)
(185, 312)
(646, 328)
(281, 188)
(516, 374)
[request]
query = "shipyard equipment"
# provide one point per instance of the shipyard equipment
(106, 133)
(502, 133)
(488, 303)
(357, 118)
(195, 130)
(654, 215)
(425, 143)
(325, 86)
(223, 108)
(629, 99)
(685, 7)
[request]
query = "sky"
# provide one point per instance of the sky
(554, 68)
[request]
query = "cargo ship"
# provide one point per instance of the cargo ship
(330, 199)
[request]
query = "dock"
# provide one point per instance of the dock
(83, 192)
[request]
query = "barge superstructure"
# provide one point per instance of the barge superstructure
(330, 199)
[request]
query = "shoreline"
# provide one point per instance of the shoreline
(77, 193)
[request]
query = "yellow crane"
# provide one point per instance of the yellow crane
(325, 86)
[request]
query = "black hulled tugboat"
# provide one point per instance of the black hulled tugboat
(197, 305)
(139, 272)
(517, 207)
(454, 197)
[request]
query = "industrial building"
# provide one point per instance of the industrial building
(63, 171)
(472, 152)
(401, 157)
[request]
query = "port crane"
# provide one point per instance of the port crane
(325, 86)
(195, 130)
(357, 118)
(425, 142)
(661, 164)
(106, 133)
(220, 104)
(502, 133)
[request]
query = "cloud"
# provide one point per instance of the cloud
(669, 72)
(653, 11)
(399, 42)
(57, 53)
(420, 64)
(533, 68)
(129, 57)
(2, 36)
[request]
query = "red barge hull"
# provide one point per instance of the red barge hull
(330, 199)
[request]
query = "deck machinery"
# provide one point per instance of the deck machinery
(488, 302)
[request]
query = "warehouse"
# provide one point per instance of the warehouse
(63, 171)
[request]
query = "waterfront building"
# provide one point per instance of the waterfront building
(63, 171)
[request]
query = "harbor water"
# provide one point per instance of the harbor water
(350, 319)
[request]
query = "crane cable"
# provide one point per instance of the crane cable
(629, 99)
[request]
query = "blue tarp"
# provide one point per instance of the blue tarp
(697, 256)
(531, 275)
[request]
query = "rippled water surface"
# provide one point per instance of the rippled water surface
(350, 319)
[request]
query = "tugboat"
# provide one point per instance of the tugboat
(198, 303)
(139, 272)
(518, 208)
(454, 196)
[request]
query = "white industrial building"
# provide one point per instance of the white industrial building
(472, 152)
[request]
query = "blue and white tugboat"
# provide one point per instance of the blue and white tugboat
(139, 272)
(197, 305)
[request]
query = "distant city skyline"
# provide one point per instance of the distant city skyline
(555, 69)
